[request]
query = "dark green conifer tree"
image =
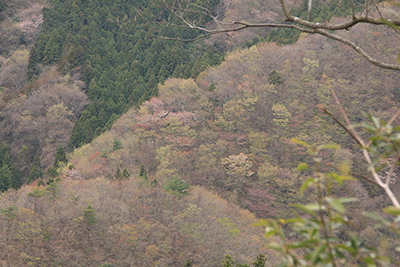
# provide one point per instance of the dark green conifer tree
(118, 174)
(177, 187)
(227, 262)
(89, 215)
(117, 145)
(61, 156)
(36, 169)
(4, 178)
(89, 136)
(15, 181)
(260, 261)
(143, 174)
(125, 174)
(54, 46)
(275, 78)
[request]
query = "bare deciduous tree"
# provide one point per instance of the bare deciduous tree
(186, 13)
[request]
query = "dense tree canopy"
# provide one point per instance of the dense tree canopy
(120, 68)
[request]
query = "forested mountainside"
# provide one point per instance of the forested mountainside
(174, 149)
(101, 70)
(114, 68)
(126, 223)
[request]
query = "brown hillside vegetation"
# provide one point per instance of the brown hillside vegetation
(238, 108)
(230, 130)
(42, 120)
(19, 24)
(129, 225)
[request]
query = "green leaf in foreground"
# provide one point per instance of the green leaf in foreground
(392, 210)
(335, 203)
(302, 166)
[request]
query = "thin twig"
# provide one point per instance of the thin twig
(394, 117)
(341, 124)
(389, 123)
(354, 174)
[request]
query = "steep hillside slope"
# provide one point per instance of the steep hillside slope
(87, 223)
(252, 105)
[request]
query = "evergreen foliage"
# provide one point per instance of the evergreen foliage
(260, 261)
(188, 263)
(275, 78)
(125, 174)
(121, 68)
(9, 173)
(61, 156)
(117, 145)
(9, 213)
(36, 169)
(227, 261)
(322, 12)
(177, 187)
(143, 174)
(15, 181)
(52, 172)
(89, 215)
(118, 174)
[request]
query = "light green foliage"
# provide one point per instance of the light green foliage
(281, 115)
(164, 170)
(59, 111)
(237, 169)
(317, 241)
(258, 142)
(190, 225)
(176, 128)
(206, 160)
(53, 190)
(237, 165)
(89, 216)
(236, 112)
(117, 145)
(267, 172)
(36, 192)
(9, 213)
(106, 264)
(231, 227)
(29, 228)
(310, 66)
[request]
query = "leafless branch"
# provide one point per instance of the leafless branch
(354, 174)
(394, 117)
(341, 124)
(183, 11)
(367, 157)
